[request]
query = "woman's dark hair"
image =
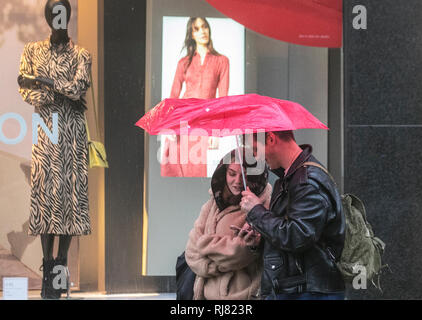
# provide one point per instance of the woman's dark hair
(255, 182)
(190, 43)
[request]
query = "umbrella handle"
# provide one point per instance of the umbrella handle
(241, 162)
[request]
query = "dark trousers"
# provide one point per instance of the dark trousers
(307, 296)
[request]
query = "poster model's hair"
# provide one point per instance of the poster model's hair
(190, 43)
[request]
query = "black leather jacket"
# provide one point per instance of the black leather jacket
(303, 231)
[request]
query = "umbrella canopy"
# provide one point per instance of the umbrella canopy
(226, 116)
(315, 23)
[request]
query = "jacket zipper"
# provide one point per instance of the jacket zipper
(298, 266)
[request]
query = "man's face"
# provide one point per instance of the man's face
(261, 150)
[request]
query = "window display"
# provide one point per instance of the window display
(209, 64)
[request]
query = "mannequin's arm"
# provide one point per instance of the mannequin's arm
(46, 81)
(30, 89)
(76, 88)
(29, 82)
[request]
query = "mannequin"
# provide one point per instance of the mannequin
(53, 86)
(58, 36)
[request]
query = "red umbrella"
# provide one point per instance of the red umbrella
(225, 116)
(315, 23)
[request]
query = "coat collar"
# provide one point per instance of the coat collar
(61, 47)
(300, 160)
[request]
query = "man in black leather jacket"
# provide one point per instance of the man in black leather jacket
(302, 233)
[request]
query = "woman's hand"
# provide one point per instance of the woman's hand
(252, 238)
(249, 235)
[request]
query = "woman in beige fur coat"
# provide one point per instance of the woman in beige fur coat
(225, 261)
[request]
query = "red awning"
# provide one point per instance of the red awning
(316, 23)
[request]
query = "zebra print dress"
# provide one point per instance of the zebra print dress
(59, 172)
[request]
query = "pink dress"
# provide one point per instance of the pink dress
(202, 81)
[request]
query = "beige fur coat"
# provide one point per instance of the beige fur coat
(226, 268)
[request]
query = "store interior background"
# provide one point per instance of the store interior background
(22, 23)
(137, 229)
(272, 68)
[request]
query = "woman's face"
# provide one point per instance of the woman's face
(200, 32)
(234, 179)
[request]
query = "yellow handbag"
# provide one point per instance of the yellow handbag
(96, 150)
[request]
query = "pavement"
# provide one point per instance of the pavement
(35, 295)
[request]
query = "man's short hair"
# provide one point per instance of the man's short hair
(283, 135)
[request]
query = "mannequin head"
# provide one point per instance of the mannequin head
(57, 14)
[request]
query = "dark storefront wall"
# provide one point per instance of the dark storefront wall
(124, 83)
(383, 128)
(124, 103)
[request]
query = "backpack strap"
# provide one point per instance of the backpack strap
(314, 164)
(329, 249)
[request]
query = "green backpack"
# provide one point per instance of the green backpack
(361, 247)
(362, 250)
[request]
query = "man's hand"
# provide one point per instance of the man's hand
(249, 200)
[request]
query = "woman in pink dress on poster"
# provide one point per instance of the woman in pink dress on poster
(204, 72)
